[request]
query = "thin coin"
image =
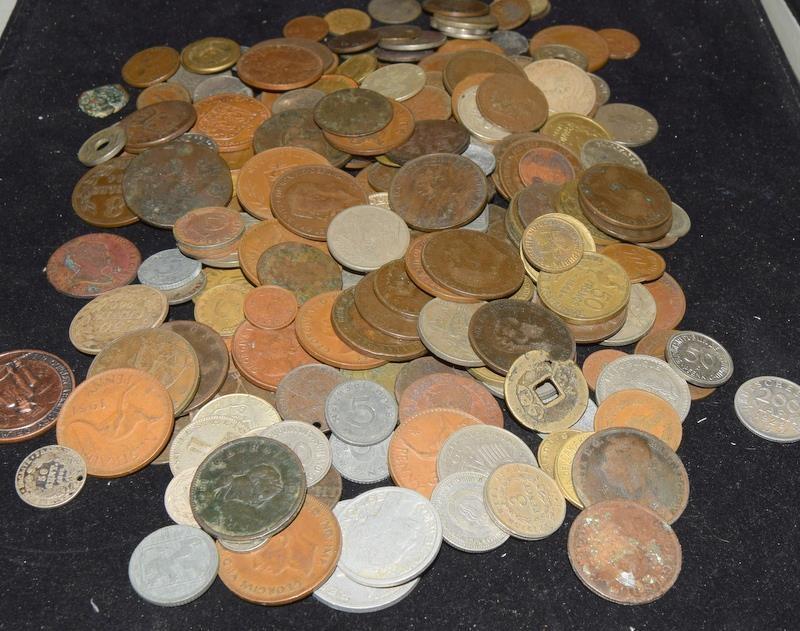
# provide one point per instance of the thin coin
(481, 449)
(563, 467)
(157, 124)
(265, 357)
(353, 112)
(206, 228)
(593, 365)
(641, 314)
(394, 11)
(302, 392)
(670, 302)
(150, 66)
(397, 132)
(444, 329)
(270, 307)
(50, 477)
(629, 125)
(549, 449)
(560, 51)
(641, 264)
(329, 489)
(302, 269)
(546, 165)
(430, 103)
(279, 66)
(455, 392)
(566, 87)
(512, 103)
(469, 62)
(770, 408)
(396, 291)
(361, 412)
(584, 39)
(598, 150)
(176, 499)
(301, 98)
(416, 271)
(253, 411)
(396, 81)
(379, 315)
(361, 464)
(643, 411)
(309, 27)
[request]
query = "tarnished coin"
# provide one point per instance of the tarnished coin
(200, 437)
(301, 98)
(221, 308)
(643, 411)
(593, 365)
(699, 359)
(222, 84)
(550, 447)
(329, 489)
(253, 411)
(641, 264)
(168, 269)
(304, 270)
(160, 92)
(511, 42)
(566, 87)
(397, 292)
(353, 112)
(230, 119)
(149, 66)
(512, 102)
(430, 103)
(560, 51)
(103, 100)
(50, 477)
(600, 150)
(394, 11)
(395, 133)
(622, 44)
(155, 125)
(379, 315)
(670, 302)
(770, 408)
(306, 441)
(640, 317)
(629, 125)
(444, 329)
(235, 383)
(270, 307)
(265, 357)
(469, 62)
(584, 39)
(309, 27)
(364, 238)
(552, 244)
(627, 572)
(102, 146)
(467, 111)
(279, 66)
(361, 464)
(295, 128)
(396, 81)
(302, 392)
(176, 499)
(454, 392)
(210, 55)
(97, 197)
(361, 412)
(481, 449)
(414, 370)
(431, 136)
(681, 222)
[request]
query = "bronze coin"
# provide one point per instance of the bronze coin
(164, 183)
(310, 27)
(419, 368)
(302, 269)
(162, 92)
(395, 133)
(270, 307)
(512, 102)
(329, 489)
(151, 66)
(212, 355)
(379, 315)
(456, 8)
(535, 200)
(266, 357)
(469, 62)
(301, 393)
(438, 191)
(354, 41)
(431, 136)
(455, 392)
(208, 228)
(508, 163)
(510, 14)
(545, 165)
(230, 120)
(622, 44)
(157, 124)
(473, 264)
(92, 264)
(396, 290)
(296, 128)
(353, 112)
(279, 66)
(625, 463)
(431, 103)
(306, 198)
(33, 386)
(641, 264)
(594, 364)
(670, 302)
(97, 197)
(616, 539)
(594, 333)
(380, 176)
(502, 330)
(421, 278)
(587, 41)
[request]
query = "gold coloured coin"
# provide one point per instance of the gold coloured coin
(210, 55)
(549, 448)
(221, 308)
(341, 21)
(552, 244)
(358, 66)
(573, 130)
(563, 467)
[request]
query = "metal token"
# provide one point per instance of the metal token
(50, 477)
(103, 145)
(363, 465)
(396, 81)
(481, 449)
(511, 42)
(304, 270)
(168, 269)
(629, 125)
(307, 442)
(104, 100)
(364, 238)
(566, 87)
(699, 359)
(254, 411)
(222, 84)
(394, 11)
(329, 489)
(210, 55)
(444, 329)
(157, 124)
(361, 412)
(150, 66)
(639, 320)
(353, 112)
(466, 107)
(599, 150)
(770, 408)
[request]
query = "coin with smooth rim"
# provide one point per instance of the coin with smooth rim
(770, 408)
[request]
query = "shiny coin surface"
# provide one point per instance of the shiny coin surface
(361, 412)
(364, 465)
(699, 359)
(307, 442)
(481, 449)
(50, 477)
(770, 408)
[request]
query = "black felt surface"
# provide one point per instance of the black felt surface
(728, 107)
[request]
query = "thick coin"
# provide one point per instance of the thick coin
(302, 269)
(306, 441)
(353, 112)
(550, 447)
(455, 392)
(641, 315)
(481, 449)
(444, 329)
(566, 87)
(699, 359)
(279, 66)
(431, 136)
(50, 477)
(97, 197)
(361, 412)
(629, 125)
(265, 357)
(150, 66)
(329, 489)
(770, 408)
(643, 411)
(168, 269)
(364, 238)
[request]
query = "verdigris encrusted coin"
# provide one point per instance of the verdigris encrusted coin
(103, 100)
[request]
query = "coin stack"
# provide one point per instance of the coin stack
(349, 272)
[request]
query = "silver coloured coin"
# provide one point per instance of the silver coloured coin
(199, 438)
(681, 222)
(699, 359)
(307, 442)
(629, 125)
(511, 42)
(176, 499)
(466, 524)
(486, 22)
(244, 546)
(246, 408)
(343, 594)
(223, 84)
(363, 465)
(460, 33)
(481, 449)
(198, 139)
(394, 11)
(350, 279)
(168, 269)
(642, 372)
(390, 536)
(361, 412)
(185, 293)
(173, 565)
(51, 476)
(422, 43)
(102, 146)
(190, 80)
(482, 156)
(480, 223)
(302, 98)
(600, 150)
(640, 319)
(560, 51)
(602, 88)
(770, 408)
(443, 327)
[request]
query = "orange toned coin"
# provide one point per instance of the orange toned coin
(579, 37)
(593, 365)
(306, 27)
(416, 272)
(670, 302)
(118, 421)
(622, 44)
(270, 307)
(260, 172)
(510, 14)
(292, 564)
(416, 443)
(230, 120)
(237, 159)
(279, 66)
(543, 165)
(435, 62)
(641, 264)
(457, 45)
(151, 66)
(362, 179)
(465, 84)
(455, 392)
(208, 227)
(430, 103)
(316, 335)
(268, 98)
(643, 411)
(328, 83)
(393, 135)
(163, 92)
(264, 357)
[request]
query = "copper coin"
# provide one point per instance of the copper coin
(512, 102)
(97, 197)
(469, 62)
(625, 463)
(208, 227)
(329, 489)
(354, 41)
(421, 278)
(305, 199)
(306, 27)
(395, 289)
(163, 92)
(118, 421)
(458, 45)
(212, 355)
(593, 365)
(431, 136)
(380, 176)
(329, 83)
(455, 392)
(157, 124)
(456, 8)
(230, 120)
(150, 66)
(301, 394)
(670, 302)
(92, 264)
(281, 66)
(546, 166)
(621, 44)
(291, 565)
(502, 330)
(615, 539)
(270, 307)
(394, 134)
(510, 14)
(379, 315)
(317, 336)
(641, 264)
(587, 41)
(188, 176)
(422, 367)
(640, 410)
(33, 386)
(416, 443)
(508, 164)
(535, 200)
(432, 103)
(300, 268)
(353, 112)
(296, 128)
(265, 357)
(438, 191)
(473, 264)
(236, 384)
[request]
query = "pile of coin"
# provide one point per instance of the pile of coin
(350, 275)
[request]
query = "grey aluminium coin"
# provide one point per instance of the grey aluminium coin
(51, 476)
(222, 84)
(481, 449)
(603, 89)
(600, 150)
(629, 125)
(198, 139)
(102, 146)
(168, 269)
(173, 565)
(363, 465)
(770, 408)
(482, 156)
(511, 42)
(699, 359)
(361, 412)
(306, 441)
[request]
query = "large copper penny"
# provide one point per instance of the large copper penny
(305, 199)
(97, 197)
(535, 200)
(508, 169)
(395, 289)
(296, 128)
(399, 129)
(622, 44)
(301, 394)
(593, 365)
(302, 269)
(670, 302)
(118, 421)
(164, 183)
(641, 264)
(207, 228)
(265, 357)
(422, 367)
(423, 280)
(353, 112)
(291, 565)
(150, 66)
(455, 392)
(92, 264)
(33, 386)
(273, 66)
(643, 411)
(157, 124)
(230, 120)
(510, 14)
(612, 548)
(431, 136)
(431, 103)
(469, 62)
(625, 463)
(438, 191)
(587, 41)
(162, 92)
(379, 315)
(270, 307)
(512, 102)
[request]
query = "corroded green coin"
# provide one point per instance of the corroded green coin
(247, 488)
(104, 100)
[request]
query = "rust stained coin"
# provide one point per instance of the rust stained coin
(150, 66)
(230, 120)
(270, 307)
(643, 411)
(396, 291)
(33, 387)
(302, 269)
(157, 124)
(641, 264)
(423, 280)
(611, 548)
(546, 165)
(622, 44)
(97, 197)
(164, 183)
(512, 102)
(296, 128)
(279, 66)
(455, 392)
(670, 302)
(431, 136)
(379, 315)
(353, 112)
(92, 264)
(310, 27)
(587, 41)
(593, 365)
(625, 463)
(510, 14)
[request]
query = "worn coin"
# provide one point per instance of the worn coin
(443, 328)
(361, 464)
(418, 368)
(560, 51)
(253, 411)
(549, 449)
(770, 408)
(222, 84)
(468, 62)
(641, 264)
(270, 307)
(265, 357)
(641, 315)
(102, 146)
(329, 489)
(309, 27)
(511, 42)
(279, 66)
(395, 133)
(670, 302)
(394, 11)
(364, 238)
(584, 39)
(629, 125)
(230, 119)
(50, 477)
(210, 55)
(594, 364)
(157, 124)
(201, 437)
(622, 44)
(396, 81)
(454, 392)
(681, 222)
(296, 128)
(97, 197)
(600, 150)
(397, 292)
(168, 269)
(379, 315)
(552, 244)
(512, 102)
(353, 112)
(361, 412)
(302, 392)
(103, 100)
(699, 359)
(467, 111)
(643, 411)
(308, 442)
(431, 136)
(481, 449)
(566, 87)
(176, 499)
(149, 66)
(302, 269)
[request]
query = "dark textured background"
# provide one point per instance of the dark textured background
(728, 106)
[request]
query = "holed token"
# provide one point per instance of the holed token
(279, 66)
(102, 146)
(353, 112)
(150, 66)
(210, 55)
(512, 102)
(50, 477)
(302, 269)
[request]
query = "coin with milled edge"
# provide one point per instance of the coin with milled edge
(50, 477)
(168, 269)
(481, 449)
(699, 359)
(363, 465)
(770, 408)
(307, 442)
(361, 412)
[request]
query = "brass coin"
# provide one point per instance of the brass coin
(150, 66)
(641, 264)
(353, 112)
(210, 55)
(302, 269)
(341, 21)
(567, 203)
(552, 244)
(296, 128)
(574, 130)
(512, 102)
(358, 66)
(221, 308)
(563, 468)
(549, 448)
(309, 27)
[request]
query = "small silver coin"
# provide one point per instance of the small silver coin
(102, 146)
(307, 442)
(350, 279)
(639, 320)
(602, 87)
(481, 155)
(245, 408)
(466, 524)
(560, 51)
(190, 80)
(198, 139)
(221, 84)
(185, 293)
(481, 449)
(173, 565)
(629, 125)
(244, 546)
(699, 359)
(51, 476)
(361, 412)
(770, 408)
(302, 98)
(363, 465)
(168, 269)
(394, 11)
(681, 222)
(511, 42)
(600, 150)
